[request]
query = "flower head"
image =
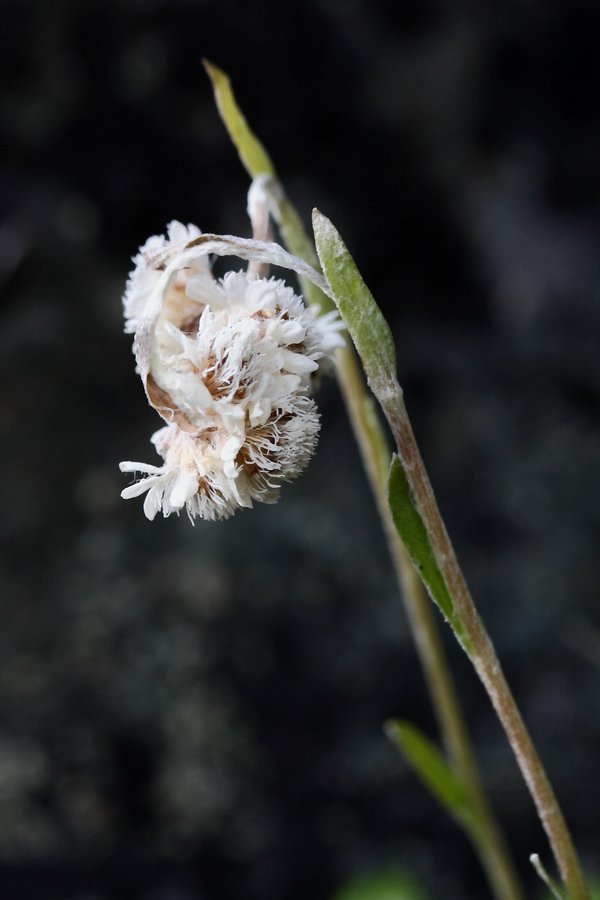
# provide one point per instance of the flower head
(227, 363)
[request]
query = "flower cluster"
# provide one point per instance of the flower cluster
(227, 363)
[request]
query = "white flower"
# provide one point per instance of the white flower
(227, 363)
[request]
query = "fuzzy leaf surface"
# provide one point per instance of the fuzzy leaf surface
(362, 317)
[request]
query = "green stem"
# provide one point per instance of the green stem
(483, 655)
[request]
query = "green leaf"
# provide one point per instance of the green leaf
(431, 767)
(382, 886)
(363, 318)
(413, 533)
(252, 153)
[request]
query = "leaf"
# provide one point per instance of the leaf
(381, 886)
(431, 767)
(413, 533)
(252, 153)
(363, 318)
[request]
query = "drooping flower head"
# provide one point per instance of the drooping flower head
(227, 363)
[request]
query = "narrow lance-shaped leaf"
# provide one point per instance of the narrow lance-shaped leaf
(413, 533)
(251, 151)
(363, 318)
(257, 162)
(430, 766)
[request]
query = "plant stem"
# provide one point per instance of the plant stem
(483, 655)
(375, 455)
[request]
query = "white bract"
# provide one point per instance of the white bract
(227, 363)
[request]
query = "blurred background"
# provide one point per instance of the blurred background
(196, 713)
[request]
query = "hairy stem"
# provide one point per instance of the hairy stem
(484, 658)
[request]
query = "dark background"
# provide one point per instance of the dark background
(195, 713)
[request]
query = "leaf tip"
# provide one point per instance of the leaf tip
(323, 230)
(213, 71)
(392, 728)
(317, 218)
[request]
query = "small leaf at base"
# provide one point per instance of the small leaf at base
(431, 767)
